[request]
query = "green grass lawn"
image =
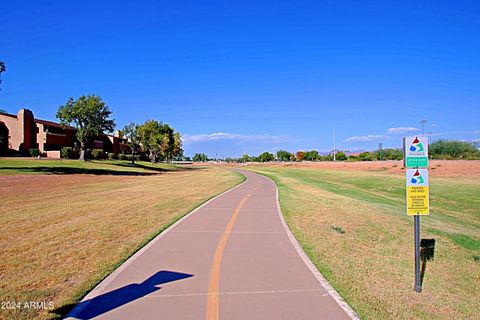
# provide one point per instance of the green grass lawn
(371, 263)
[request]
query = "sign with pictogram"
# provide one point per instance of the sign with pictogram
(416, 152)
(417, 192)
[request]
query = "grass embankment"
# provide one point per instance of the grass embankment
(354, 227)
(62, 231)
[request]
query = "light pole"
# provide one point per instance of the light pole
(334, 146)
(423, 127)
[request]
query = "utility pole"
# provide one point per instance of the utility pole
(334, 146)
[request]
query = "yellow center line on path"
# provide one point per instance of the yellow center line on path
(212, 300)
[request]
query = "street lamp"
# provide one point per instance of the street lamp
(423, 127)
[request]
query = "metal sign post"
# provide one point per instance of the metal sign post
(417, 185)
(418, 280)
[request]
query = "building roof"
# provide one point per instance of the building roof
(8, 114)
(52, 124)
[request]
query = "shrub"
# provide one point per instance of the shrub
(34, 152)
(98, 154)
(365, 156)
(122, 156)
(338, 229)
(340, 156)
(452, 149)
(112, 156)
(69, 153)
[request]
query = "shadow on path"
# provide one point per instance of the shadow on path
(121, 296)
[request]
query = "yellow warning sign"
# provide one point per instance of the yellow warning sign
(417, 200)
(417, 191)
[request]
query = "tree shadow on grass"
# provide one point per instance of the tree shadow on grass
(153, 168)
(76, 170)
(111, 300)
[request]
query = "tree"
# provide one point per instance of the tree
(365, 156)
(151, 138)
(3, 68)
(199, 157)
(340, 156)
(89, 115)
(300, 155)
(160, 141)
(311, 155)
(177, 150)
(130, 132)
(266, 156)
(245, 158)
(283, 155)
(452, 149)
(389, 154)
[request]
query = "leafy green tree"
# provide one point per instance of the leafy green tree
(328, 157)
(199, 157)
(266, 157)
(283, 155)
(177, 150)
(340, 156)
(245, 158)
(453, 149)
(3, 68)
(390, 154)
(311, 155)
(167, 143)
(171, 146)
(151, 137)
(160, 141)
(365, 156)
(131, 133)
(89, 115)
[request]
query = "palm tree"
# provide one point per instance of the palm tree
(3, 68)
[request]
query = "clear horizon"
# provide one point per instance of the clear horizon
(252, 77)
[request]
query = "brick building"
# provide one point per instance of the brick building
(21, 132)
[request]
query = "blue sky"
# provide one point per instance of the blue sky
(240, 77)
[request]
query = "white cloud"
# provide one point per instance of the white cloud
(370, 137)
(209, 137)
(400, 130)
(217, 136)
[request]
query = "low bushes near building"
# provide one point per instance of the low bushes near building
(112, 156)
(122, 156)
(34, 152)
(69, 153)
(98, 154)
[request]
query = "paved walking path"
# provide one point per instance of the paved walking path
(233, 258)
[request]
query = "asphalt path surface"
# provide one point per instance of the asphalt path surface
(233, 258)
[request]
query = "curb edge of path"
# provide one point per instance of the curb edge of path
(73, 314)
(331, 291)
